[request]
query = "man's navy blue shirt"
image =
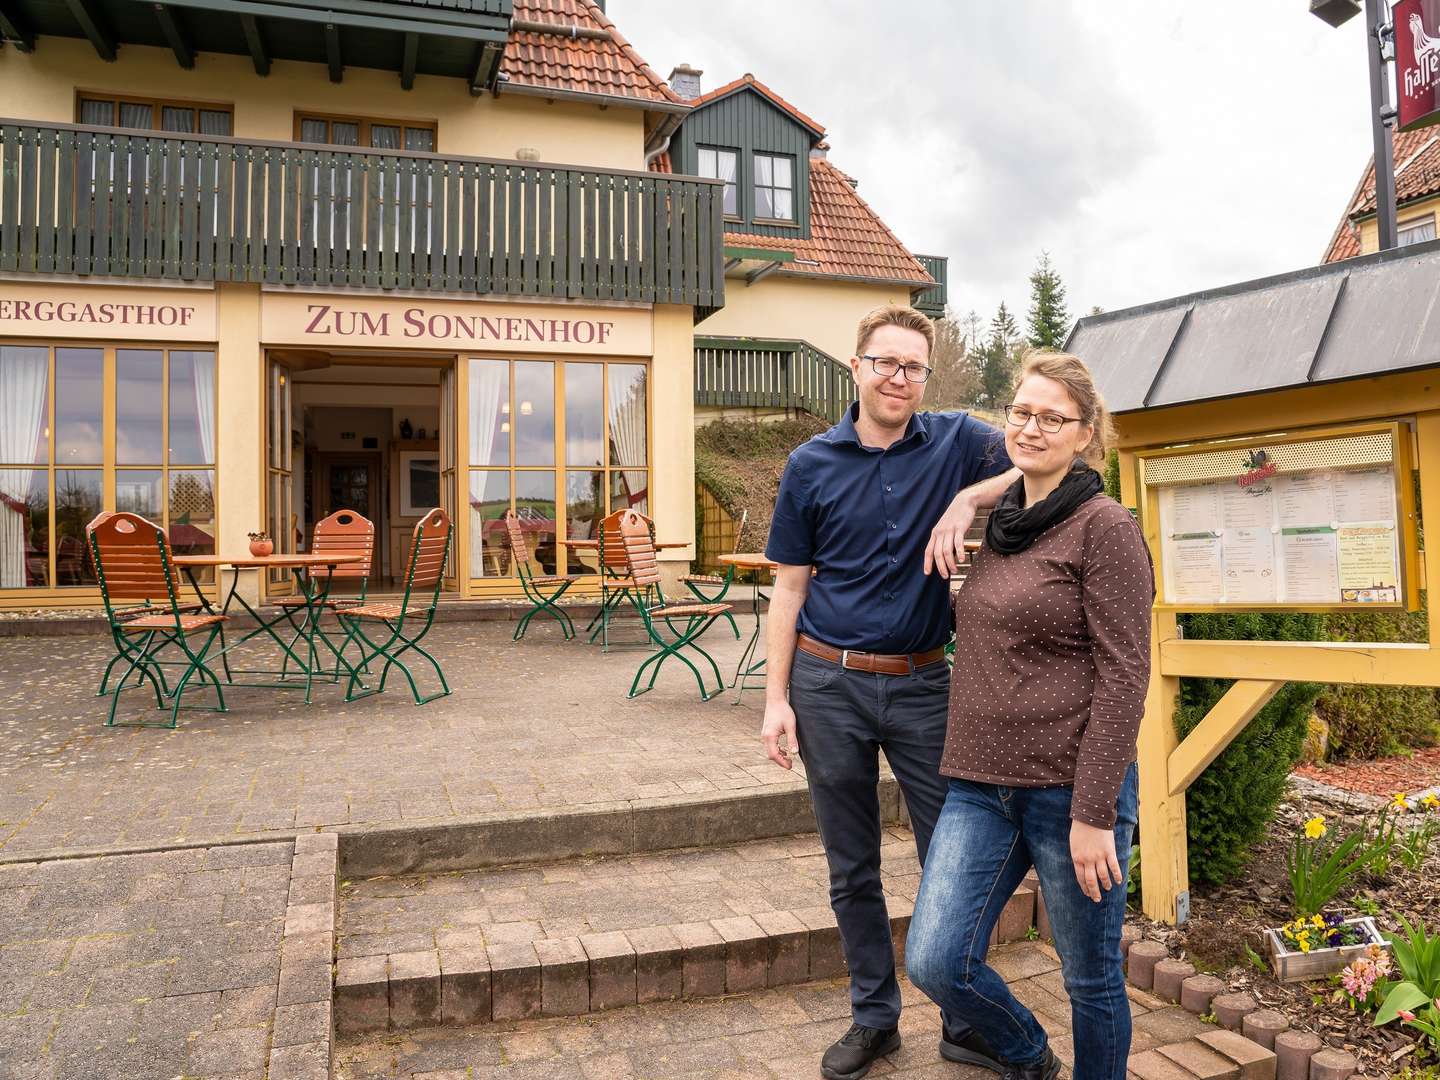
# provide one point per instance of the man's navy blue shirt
(862, 518)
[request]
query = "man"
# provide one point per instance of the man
(872, 507)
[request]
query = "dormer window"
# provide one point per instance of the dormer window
(774, 187)
(721, 164)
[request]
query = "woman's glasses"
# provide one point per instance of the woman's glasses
(1048, 422)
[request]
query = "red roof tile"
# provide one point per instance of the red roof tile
(749, 80)
(1417, 165)
(607, 65)
(847, 238)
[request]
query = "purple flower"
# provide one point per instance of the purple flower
(1336, 939)
(1334, 919)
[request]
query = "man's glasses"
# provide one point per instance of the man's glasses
(887, 366)
(1048, 422)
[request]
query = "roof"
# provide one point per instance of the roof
(596, 61)
(749, 81)
(1417, 175)
(847, 238)
(1364, 316)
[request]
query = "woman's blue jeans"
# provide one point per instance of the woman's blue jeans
(985, 842)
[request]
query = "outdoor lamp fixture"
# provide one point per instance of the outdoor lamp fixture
(1377, 35)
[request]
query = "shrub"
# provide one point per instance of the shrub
(1231, 803)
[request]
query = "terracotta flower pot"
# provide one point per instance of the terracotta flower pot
(261, 548)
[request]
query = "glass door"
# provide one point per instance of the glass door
(448, 414)
(280, 519)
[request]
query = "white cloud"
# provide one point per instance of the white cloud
(1153, 148)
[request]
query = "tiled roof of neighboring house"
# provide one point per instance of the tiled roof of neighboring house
(847, 238)
(604, 63)
(749, 80)
(1417, 175)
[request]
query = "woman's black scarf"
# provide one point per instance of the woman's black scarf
(1013, 526)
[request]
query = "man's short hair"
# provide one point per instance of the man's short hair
(895, 315)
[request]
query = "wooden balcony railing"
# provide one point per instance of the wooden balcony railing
(106, 202)
(755, 373)
(933, 300)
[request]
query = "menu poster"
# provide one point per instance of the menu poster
(1194, 569)
(1311, 573)
(1305, 499)
(1249, 556)
(1368, 564)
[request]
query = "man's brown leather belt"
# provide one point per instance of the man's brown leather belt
(882, 663)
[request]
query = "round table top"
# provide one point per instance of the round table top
(749, 560)
(255, 561)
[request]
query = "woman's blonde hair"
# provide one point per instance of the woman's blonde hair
(1071, 372)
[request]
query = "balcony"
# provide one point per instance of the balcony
(754, 373)
(103, 203)
(933, 300)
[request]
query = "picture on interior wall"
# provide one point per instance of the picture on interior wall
(419, 482)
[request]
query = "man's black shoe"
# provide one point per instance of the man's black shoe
(1046, 1069)
(852, 1056)
(970, 1050)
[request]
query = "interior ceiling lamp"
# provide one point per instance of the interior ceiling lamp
(526, 408)
(1335, 12)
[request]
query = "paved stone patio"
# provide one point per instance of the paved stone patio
(542, 724)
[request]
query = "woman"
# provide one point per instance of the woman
(1052, 660)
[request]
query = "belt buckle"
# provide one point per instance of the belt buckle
(844, 658)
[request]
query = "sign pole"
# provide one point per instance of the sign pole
(1384, 151)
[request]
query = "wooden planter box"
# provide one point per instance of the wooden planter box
(1299, 966)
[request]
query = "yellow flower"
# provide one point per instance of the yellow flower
(1400, 802)
(1315, 827)
(1430, 802)
(1304, 943)
(1316, 920)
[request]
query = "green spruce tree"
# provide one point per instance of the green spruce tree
(1049, 321)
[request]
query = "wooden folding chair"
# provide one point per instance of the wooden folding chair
(429, 552)
(133, 563)
(541, 590)
(720, 582)
(645, 572)
(342, 533)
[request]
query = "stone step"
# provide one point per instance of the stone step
(589, 935)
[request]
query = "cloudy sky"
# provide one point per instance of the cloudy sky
(1152, 147)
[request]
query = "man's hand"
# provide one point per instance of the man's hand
(1092, 851)
(778, 733)
(945, 553)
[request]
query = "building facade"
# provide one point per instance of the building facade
(1417, 199)
(261, 262)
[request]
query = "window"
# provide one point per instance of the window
(61, 459)
(721, 165)
(559, 484)
(774, 187)
(1416, 230)
(155, 115)
(359, 131)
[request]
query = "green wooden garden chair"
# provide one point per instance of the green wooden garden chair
(133, 563)
(616, 584)
(405, 624)
(543, 591)
(719, 582)
(661, 619)
(342, 533)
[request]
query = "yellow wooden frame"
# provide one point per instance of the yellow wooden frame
(1401, 439)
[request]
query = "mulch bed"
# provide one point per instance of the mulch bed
(1418, 771)
(1225, 920)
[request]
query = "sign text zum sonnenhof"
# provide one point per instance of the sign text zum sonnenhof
(327, 320)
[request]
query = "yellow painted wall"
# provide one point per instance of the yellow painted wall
(42, 86)
(672, 458)
(239, 423)
(1370, 231)
(824, 313)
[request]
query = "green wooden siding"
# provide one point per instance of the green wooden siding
(746, 122)
(933, 300)
(102, 203)
(768, 374)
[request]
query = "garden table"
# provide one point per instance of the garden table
(751, 666)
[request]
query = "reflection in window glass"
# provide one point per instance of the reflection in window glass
(192, 515)
(630, 490)
(140, 491)
(584, 414)
(24, 529)
(24, 423)
(192, 408)
(535, 507)
(139, 375)
(489, 413)
(534, 413)
(78, 494)
(584, 507)
(627, 414)
(79, 378)
(489, 499)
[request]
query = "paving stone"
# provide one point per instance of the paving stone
(414, 989)
(612, 970)
(1171, 1025)
(659, 959)
(465, 995)
(1332, 1065)
(309, 1022)
(787, 948)
(1201, 1061)
(362, 994)
(1263, 1025)
(564, 977)
(302, 1061)
(1293, 1051)
(827, 952)
(1197, 991)
(1254, 1061)
(1143, 957)
(1016, 917)
(309, 918)
(703, 959)
(311, 843)
(514, 981)
(746, 953)
(229, 1051)
(1231, 1009)
(1153, 1065)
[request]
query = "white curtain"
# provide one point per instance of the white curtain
(488, 385)
(204, 364)
(22, 417)
(627, 423)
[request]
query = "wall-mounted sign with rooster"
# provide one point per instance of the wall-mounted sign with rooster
(1417, 62)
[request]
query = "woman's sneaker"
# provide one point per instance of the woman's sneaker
(857, 1050)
